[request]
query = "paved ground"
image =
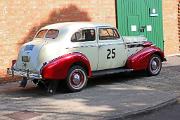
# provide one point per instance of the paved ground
(105, 97)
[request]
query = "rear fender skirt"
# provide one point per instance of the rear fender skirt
(58, 68)
(140, 60)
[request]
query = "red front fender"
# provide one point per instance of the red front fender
(58, 68)
(140, 60)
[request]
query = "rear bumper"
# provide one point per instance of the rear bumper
(25, 73)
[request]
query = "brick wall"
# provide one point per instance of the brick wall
(20, 19)
(170, 21)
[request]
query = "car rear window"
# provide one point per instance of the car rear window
(41, 33)
(52, 33)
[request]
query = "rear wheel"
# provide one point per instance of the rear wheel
(155, 65)
(76, 79)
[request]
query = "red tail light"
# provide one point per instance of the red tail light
(13, 62)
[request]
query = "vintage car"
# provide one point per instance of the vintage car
(76, 51)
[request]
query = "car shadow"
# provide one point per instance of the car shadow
(33, 91)
(116, 78)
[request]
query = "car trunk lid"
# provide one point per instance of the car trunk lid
(28, 55)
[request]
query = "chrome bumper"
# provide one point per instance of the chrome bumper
(25, 73)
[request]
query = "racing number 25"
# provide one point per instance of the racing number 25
(111, 53)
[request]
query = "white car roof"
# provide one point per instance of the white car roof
(75, 25)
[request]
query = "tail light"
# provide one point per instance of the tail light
(13, 62)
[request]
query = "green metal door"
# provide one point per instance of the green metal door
(133, 25)
(141, 17)
(134, 28)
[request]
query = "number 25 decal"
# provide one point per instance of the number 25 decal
(111, 53)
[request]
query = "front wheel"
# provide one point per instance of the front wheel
(155, 65)
(76, 79)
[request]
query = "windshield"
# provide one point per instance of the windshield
(52, 33)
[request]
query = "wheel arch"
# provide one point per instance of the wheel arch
(83, 65)
(159, 54)
(140, 60)
(58, 68)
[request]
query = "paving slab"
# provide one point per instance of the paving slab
(99, 102)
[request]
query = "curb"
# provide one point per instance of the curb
(143, 111)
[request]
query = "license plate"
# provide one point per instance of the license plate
(25, 58)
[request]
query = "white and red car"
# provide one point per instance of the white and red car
(75, 51)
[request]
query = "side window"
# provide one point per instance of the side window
(108, 34)
(83, 35)
(116, 34)
(52, 33)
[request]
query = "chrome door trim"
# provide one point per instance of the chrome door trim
(82, 46)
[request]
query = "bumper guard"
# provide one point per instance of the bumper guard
(25, 73)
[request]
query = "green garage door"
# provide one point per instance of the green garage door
(141, 17)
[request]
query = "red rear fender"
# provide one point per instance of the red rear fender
(140, 60)
(58, 68)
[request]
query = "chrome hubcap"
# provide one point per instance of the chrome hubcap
(76, 79)
(154, 65)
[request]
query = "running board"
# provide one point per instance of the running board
(110, 71)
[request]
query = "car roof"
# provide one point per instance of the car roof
(75, 25)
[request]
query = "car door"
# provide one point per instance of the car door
(85, 42)
(111, 49)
